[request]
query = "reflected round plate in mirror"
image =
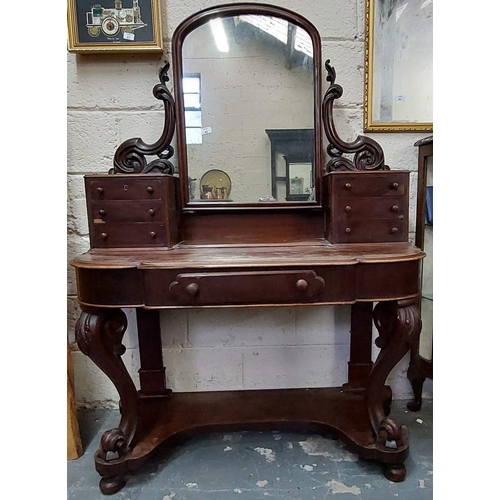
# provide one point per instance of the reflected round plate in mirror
(215, 185)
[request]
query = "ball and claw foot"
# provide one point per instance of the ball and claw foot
(395, 472)
(111, 485)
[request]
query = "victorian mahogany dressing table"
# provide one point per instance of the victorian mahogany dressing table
(152, 248)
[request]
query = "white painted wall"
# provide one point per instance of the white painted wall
(109, 101)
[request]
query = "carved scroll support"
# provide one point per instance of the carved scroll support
(130, 157)
(99, 333)
(368, 154)
(398, 324)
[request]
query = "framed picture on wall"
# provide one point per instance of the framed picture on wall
(114, 26)
(398, 66)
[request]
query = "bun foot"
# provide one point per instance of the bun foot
(395, 472)
(111, 485)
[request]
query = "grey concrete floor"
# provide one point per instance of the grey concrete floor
(258, 465)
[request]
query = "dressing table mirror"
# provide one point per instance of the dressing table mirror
(158, 244)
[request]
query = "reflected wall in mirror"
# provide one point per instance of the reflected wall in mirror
(243, 76)
(398, 65)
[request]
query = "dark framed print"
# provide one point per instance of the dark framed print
(114, 25)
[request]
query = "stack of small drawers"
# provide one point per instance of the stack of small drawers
(131, 210)
(367, 207)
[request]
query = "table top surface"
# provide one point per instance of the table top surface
(317, 253)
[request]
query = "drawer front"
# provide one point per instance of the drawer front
(350, 184)
(116, 188)
(388, 207)
(109, 211)
(189, 288)
(246, 287)
(371, 231)
(128, 235)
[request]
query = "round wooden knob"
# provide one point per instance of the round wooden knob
(394, 185)
(149, 189)
(347, 230)
(152, 234)
(100, 190)
(301, 285)
(394, 230)
(347, 185)
(348, 208)
(394, 208)
(192, 289)
(102, 212)
(151, 212)
(104, 235)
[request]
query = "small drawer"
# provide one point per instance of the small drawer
(255, 287)
(371, 231)
(108, 211)
(359, 184)
(123, 188)
(374, 208)
(134, 234)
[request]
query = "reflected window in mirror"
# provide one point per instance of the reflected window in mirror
(191, 89)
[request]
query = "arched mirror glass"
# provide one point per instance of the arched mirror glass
(247, 107)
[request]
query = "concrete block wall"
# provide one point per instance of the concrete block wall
(109, 101)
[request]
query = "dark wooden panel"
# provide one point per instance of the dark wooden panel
(387, 280)
(113, 287)
(243, 227)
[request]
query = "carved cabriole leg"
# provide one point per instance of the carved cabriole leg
(398, 323)
(99, 333)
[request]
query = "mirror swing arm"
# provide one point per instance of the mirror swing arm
(130, 156)
(143, 255)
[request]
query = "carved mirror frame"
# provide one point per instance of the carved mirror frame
(202, 17)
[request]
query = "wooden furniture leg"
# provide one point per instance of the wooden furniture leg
(360, 364)
(152, 371)
(99, 333)
(74, 442)
(398, 322)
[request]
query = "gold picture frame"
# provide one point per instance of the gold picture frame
(114, 26)
(398, 66)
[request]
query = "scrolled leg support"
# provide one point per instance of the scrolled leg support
(99, 334)
(397, 323)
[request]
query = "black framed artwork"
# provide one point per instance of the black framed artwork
(114, 25)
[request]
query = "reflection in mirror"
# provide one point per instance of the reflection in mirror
(244, 77)
(399, 56)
